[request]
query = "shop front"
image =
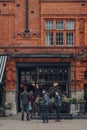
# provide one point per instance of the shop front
(39, 76)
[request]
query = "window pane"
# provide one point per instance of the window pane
(69, 25)
(49, 38)
(59, 38)
(69, 38)
(49, 25)
(59, 25)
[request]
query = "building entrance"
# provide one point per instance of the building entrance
(40, 76)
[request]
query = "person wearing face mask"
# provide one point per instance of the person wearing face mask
(57, 106)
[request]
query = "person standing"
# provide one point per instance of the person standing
(30, 109)
(57, 106)
(32, 99)
(24, 97)
(45, 101)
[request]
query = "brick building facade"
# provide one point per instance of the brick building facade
(46, 42)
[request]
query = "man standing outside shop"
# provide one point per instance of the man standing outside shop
(24, 97)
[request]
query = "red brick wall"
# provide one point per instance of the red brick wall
(71, 8)
(34, 16)
(4, 36)
(6, 20)
(13, 19)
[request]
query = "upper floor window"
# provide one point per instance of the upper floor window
(49, 38)
(59, 38)
(69, 25)
(69, 38)
(60, 32)
(59, 25)
(49, 25)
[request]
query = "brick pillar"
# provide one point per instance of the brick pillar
(11, 85)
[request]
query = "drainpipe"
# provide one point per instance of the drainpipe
(27, 9)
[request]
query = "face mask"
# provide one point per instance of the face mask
(56, 93)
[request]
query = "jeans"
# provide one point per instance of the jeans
(45, 113)
(58, 112)
(25, 108)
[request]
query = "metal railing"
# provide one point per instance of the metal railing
(68, 110)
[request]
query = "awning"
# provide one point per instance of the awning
(2, 66)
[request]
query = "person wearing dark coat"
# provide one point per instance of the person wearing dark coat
(45, 100)
(24, 97)
(57, 106)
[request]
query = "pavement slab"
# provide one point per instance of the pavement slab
(74, 124)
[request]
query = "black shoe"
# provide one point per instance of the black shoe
(22, 117)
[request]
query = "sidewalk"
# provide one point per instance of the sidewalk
(9, 123)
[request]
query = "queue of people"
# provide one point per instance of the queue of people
(27, 101)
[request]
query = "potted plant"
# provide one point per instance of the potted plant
(81, 101)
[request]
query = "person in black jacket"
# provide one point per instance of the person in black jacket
(57, 106)
(24, 97)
